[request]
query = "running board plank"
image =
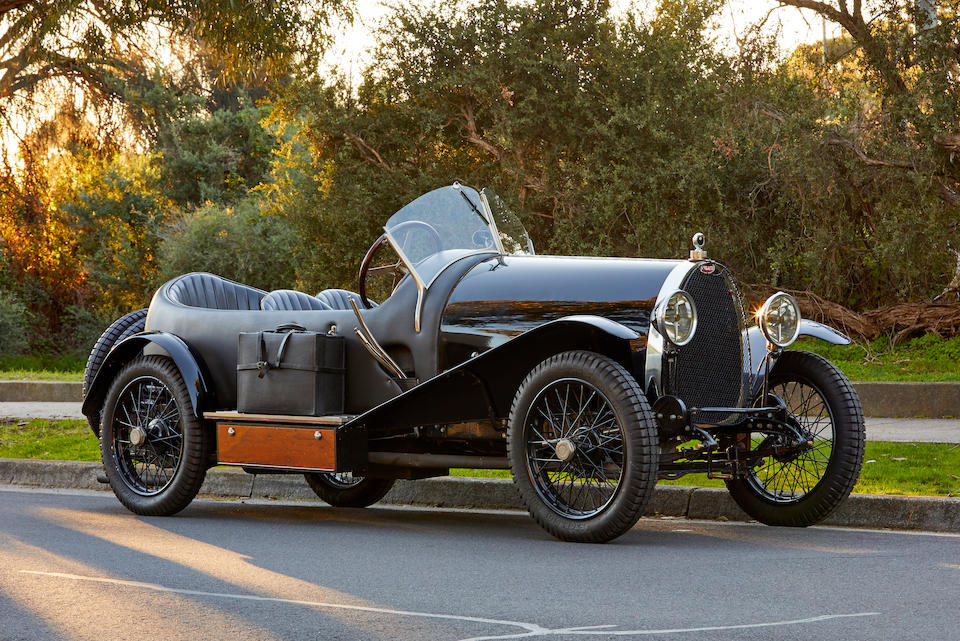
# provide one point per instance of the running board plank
(286, 419)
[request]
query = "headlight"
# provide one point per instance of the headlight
(677, 318)
(779, 319)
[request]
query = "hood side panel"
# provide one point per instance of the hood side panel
(499, 299)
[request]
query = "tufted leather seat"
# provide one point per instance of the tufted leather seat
(290, 299)
(200, 289)
(340, 298)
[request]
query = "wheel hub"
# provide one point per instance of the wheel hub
(565, 449)
(137, 437)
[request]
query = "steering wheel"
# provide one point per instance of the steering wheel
(397, 268)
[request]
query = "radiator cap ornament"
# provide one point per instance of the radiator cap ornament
(698, 253)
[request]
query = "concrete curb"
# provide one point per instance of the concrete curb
(894, 400)
(860, 510)
(903, 400)
(41, 392)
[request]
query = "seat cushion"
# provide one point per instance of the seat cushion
(201, 289)
(340, 298)
(293, 300)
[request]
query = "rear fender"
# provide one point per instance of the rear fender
(484, 386)
(190, 366)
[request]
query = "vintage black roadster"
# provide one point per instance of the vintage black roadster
(588, 378)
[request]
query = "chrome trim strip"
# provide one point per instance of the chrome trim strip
(656, 344)
(421, 287)
(277, 467)
(492, 224)
(368, 340)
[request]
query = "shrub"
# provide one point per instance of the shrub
(236, 242)
(14, 325)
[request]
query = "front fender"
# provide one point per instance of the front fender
(823, 332)
(758, 347)
(190, 366)
(484, 386)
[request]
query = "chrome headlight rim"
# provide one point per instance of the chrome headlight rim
(675, 298)
(776, 302)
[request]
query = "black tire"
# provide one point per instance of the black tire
(807, 488)
(121, 328)
(347, 490)
(588, 481)
(161, 474)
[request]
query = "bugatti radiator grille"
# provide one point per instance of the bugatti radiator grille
(710, 367)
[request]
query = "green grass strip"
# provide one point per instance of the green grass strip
(52, 440)
(919, 469)
(923, 469)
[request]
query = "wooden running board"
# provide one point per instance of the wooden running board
(291, 443)
(287, 419)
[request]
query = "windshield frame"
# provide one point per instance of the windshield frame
(484, 212)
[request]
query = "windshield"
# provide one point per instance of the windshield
(452, 222)
(513, 235)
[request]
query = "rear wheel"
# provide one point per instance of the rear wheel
(347, 490)
(132, 323)
(154, 448)
(803, 488)
(582, 445)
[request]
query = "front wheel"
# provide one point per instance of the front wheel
(347, 490)
(803, 488)
(154, 448)
(582, 446)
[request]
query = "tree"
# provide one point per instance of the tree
(914, 63)
(623, 137)
(99, 46)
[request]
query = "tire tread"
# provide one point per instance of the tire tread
(197, 442)
(645, 447)
(826, 497)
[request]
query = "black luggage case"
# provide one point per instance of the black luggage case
(290, 371)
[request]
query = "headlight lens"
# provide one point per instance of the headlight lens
(677, 318)
(780, 319)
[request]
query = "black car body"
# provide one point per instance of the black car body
(473, 360)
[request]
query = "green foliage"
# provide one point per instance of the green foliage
(215, 157)
(14, 325)
(623, 137)
(118, 213)
(927, 358)
(237, 242)
(99, 46)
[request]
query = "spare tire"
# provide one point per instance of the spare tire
(132, 323)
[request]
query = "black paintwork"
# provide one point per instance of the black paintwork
(189, 363)
(501, 298)
(486, 321)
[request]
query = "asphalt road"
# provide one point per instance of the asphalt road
(76, 565)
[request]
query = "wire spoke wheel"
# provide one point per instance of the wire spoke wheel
(574, 444)
(343, 489)
(147, 436)
(789, 479)
(582, 446)
(342, 480)
(155, 449)
(802, 486)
